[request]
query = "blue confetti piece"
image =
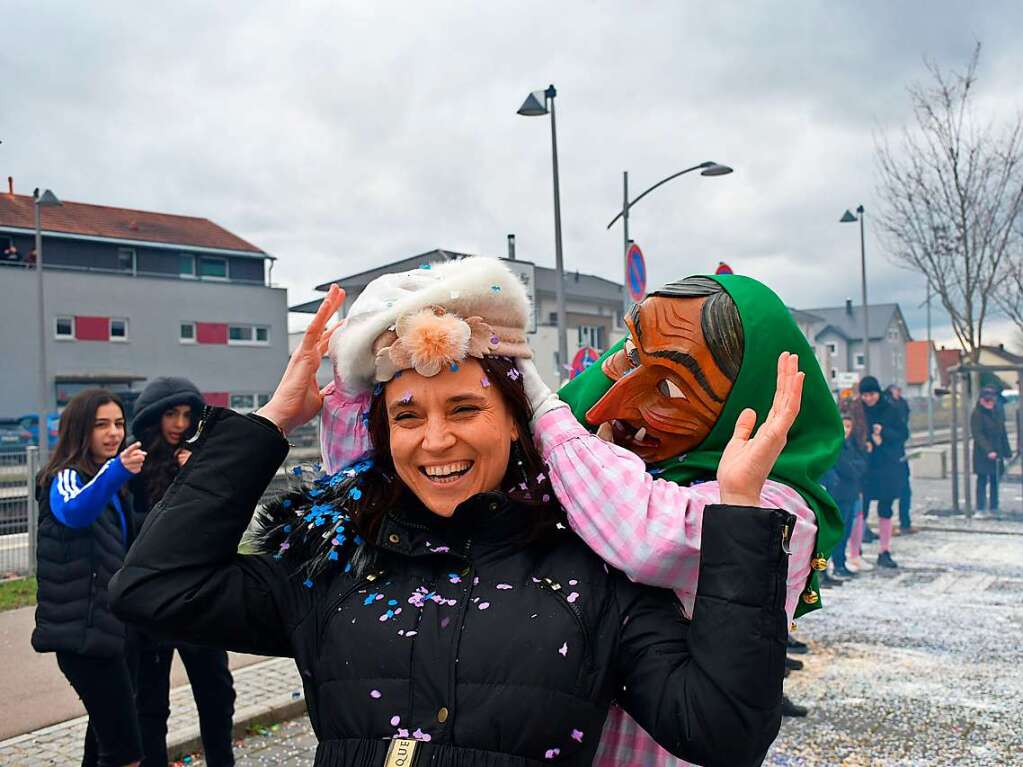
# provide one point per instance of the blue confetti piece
(287, 528)
(355, 493)
(358, 540)
(495, 288)
(308, 583)
(370, 599)
(297, 471)
(348, 567)
(454, 367)
(286, 503)
(315, 492)
(378, 389)
(425, 266)
(392, 602)
(332, 556)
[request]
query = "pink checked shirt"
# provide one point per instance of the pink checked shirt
(648, 528)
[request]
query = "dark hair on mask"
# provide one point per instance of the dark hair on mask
(719, 320)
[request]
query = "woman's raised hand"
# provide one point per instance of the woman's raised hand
(746, 462)
(132, 457)
(298, 396)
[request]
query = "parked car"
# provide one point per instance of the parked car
(13, 436)
(30, 423)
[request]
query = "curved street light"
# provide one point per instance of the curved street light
(706, 168)
(848, 218)
(45, 200)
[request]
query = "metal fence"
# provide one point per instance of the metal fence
(18, 512)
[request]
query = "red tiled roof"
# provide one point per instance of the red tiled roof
(121, 223)
(917, 361)
(947, 358)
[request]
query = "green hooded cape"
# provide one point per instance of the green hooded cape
(815, 438)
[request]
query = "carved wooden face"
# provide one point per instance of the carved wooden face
(668, 391)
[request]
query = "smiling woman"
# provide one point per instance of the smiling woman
(435, 605)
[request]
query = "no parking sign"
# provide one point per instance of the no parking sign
(635, 273)
(582, 360)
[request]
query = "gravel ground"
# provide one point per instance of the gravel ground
(917, 666)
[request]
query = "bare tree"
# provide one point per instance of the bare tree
(952, 194)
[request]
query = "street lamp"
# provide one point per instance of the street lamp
(707, 168)
(47, 200)
(848, 218)
(539, 103)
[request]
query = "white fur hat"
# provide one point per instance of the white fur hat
(480, 292)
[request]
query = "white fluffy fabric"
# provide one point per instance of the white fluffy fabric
(471, 287)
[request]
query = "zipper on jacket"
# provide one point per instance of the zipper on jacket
(92, 598)
(336, 604)
(552, 586)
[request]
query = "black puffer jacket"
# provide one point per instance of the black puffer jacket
(74, 566)
(478, 648)
(886, 475)
(988, 432)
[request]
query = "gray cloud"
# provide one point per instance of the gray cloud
(341, 135)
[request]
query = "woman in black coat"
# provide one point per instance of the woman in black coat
(435, 603)
(990, 447)
(887, 475)
(165, 416)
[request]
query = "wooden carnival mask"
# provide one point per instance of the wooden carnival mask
(668, 389)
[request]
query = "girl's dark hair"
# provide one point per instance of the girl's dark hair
(719, 320)
(853, 409)
(527, 484)
(73, 449)
(161, 465)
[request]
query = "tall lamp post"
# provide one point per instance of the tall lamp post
(46, 200)
(536, 104)
(848, 218)
(706, 168)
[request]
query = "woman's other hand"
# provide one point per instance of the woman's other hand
(746, 462)
(541, 398)
(875, 435)
(298, 397)
(182, 456)
(132, 457)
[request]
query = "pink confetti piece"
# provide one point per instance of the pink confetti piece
(406, 398)
(411, 633)
(444, 622)
(541, 477)
(550, 753)
(523, 486)
(572, 597)
(485, 382)
(484, 605)
(563, 650)
(546, 498)
(514, 374)
(577, 735)
(573, 582)
(401, 733)
(395, 720)
(423, 736)
(476, 581)
(504, 586)
(375, 694)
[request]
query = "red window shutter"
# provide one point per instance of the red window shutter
(92, 328)
(211, 332)
(217, 398)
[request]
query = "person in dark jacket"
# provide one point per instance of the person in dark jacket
(990, 448)
(165, 413)
(895, 398)
(886, 473)
(845, 483)
(436, 604)
(85, 529)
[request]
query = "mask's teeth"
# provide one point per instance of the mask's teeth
(641, 434)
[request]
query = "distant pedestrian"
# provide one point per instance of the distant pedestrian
(894, 393)
(85, 529)
(990, 447)
(845, 483)
(885, 477)
(165, 416)
(854, 561)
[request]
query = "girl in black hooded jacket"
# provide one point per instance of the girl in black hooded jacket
(470, 630)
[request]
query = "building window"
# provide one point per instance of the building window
(212, 268)
(186, 333)
(186, 265)
(65, 328)
(591, 335)
(118, 329)
(248, 335)
(859, 360)
(243, 403)
(832, 349)
(8, 252)
(834, 374)
(126, 259)
(262, 399)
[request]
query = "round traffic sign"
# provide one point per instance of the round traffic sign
(582, 360)
(635, 273)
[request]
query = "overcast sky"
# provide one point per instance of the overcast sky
(340, 135)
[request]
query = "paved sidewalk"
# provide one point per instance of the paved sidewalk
(267, 692)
